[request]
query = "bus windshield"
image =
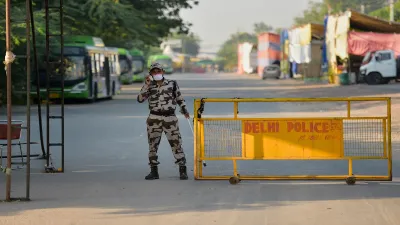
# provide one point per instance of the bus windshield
(164, 62)
(137, 65)
(74, 68)
(124, 64)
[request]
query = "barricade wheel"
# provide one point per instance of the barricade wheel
(350, 180)
(234, 180)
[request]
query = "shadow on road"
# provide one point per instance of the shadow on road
(119, 189)
(160, 197)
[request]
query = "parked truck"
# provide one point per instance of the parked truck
(380, 67)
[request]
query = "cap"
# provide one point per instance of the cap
(156, 66)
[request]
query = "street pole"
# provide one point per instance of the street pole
(8, 74)
(363, 8)
(391, 6)
(183, 54)
(28, 100)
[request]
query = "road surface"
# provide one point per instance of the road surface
(106, 161)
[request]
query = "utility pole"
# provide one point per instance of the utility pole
(362, 8)
(391, 7)
(8, 61)
(183, 54)
(28, 100)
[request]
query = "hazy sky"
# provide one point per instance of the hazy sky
(215, 20)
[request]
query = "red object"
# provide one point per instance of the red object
(15, 131)
(197, 69)
(360, 43)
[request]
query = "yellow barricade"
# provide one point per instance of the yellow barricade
(345, 137)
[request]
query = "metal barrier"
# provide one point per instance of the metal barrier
(319, 138)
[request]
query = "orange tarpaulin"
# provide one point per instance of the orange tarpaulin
(360, 43)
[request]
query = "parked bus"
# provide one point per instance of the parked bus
(125, 62)
(91, 70)
(164, 60)
(138, 63)
(132, 66)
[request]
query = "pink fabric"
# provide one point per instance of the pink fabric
(359, 43)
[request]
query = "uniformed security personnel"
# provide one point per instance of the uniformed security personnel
(163, 95)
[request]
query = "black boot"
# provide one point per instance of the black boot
(153, 175)
(182, 173)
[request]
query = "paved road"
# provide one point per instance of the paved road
(106, 150)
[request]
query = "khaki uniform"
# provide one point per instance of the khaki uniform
(162, 104)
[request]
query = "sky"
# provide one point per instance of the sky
(215, 20)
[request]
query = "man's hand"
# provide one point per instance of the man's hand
(187, 116)
(147, 79)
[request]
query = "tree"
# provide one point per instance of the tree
(190, 42)
(384, 13)
(278, 30)
(262, 27)
(161, 18)
(369, 5)
(126, 23)
(18, 43)
(316, 11)
(120, 23)
(228, 51)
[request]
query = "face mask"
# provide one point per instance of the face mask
(158, 77)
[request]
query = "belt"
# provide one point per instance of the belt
(165, 113)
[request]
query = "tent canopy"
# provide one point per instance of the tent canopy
(360, 43)
(364, 22)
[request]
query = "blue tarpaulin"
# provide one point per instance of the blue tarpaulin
(284, 36)
(324, 52)
(294, 67)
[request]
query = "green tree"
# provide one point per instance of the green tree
(161, 18)
(369, 5)
(317, 10)
(191, 43)
(126, 23)
(314, 13)
(120, 23)
(384, 12)
(228, 51)
(278, 30)
(262, 27)
(18, 46)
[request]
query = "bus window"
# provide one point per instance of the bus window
(97, 59)
(109, 64)
(138, 65)
(164, 62)
(124, 64)
(112, 64)
(116, 64)
(74, 67)
(93, 61)
(101, 62)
